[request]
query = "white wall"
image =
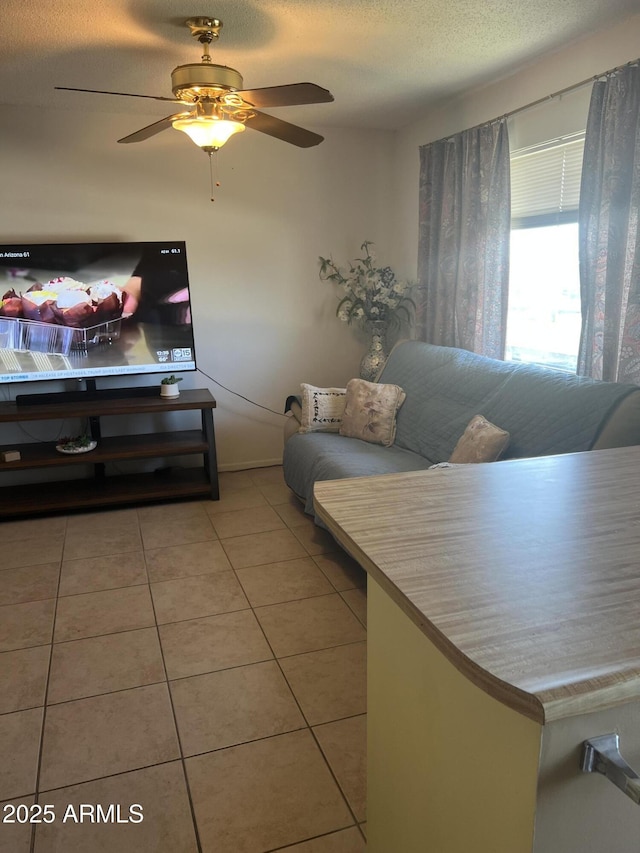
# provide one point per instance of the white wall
(263, 320)
(549, 74)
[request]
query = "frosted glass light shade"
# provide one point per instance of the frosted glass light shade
(208, 132)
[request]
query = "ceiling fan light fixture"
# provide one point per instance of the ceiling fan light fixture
(208, 132)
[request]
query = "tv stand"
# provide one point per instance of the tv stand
(100, 489)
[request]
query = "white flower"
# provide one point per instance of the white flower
(375, 290)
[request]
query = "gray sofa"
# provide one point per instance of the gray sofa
(545, 411)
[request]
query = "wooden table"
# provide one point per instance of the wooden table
(504, 630)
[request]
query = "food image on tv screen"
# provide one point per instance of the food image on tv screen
(94, 309)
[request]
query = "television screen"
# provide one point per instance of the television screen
(85, 310)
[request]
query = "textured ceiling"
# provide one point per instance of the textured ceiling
(384, 60)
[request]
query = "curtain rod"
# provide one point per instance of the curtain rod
(539, 101)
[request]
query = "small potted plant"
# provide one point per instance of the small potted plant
(169, 386)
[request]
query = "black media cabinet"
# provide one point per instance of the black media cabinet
(102, 490)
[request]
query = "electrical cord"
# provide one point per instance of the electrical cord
(242, 397)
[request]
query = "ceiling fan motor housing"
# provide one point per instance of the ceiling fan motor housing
(204, 80)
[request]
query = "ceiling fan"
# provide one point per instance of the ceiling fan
(215, 105)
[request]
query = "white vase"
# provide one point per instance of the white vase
(375, 357)
(170, 390)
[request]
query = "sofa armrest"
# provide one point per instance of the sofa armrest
(293, 411)
(291, 402)
(622, 427)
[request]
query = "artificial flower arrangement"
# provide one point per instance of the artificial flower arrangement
(369, 294)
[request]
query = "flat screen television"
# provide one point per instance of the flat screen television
(90, 310)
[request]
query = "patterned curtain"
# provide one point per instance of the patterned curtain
(463, 252)
(609, 245)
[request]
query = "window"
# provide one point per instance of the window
(543, 321)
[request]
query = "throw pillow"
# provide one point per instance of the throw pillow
(322, 408)
(370, 411)
(481, 441)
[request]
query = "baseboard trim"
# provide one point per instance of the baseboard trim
(244, 466)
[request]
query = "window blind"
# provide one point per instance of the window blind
(545, 182)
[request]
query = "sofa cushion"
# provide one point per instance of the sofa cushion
(321, 408)
(370, 411)
(326, 456)
(481, 441)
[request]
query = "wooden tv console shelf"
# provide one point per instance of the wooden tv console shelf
(102, 490)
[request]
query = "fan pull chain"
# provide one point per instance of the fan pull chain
(213, 169)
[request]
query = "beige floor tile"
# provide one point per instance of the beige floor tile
(216, 642)
(345, 841)
(15, 837)
(103, 664)
(242, 522)
(260, 548)
(101, 541)
(267, 476)
(201, 595)
(171, 512)
(277, 493)
(286, 581)
(167, 826)
(176, 531)
(233, 499)
(179, 561)
(233, 706)
(25, 625)
(29, 583)
(310, 624)
(32, 529)
(32, 551)
(357, 601)
(233, 480)
(94, 574)
(292, 513)
(264, 795)
(19, 746)
(23, 678)
(329, 684)
(344, 744)
(113, 519)
(314, 539)
(106, 612)
(108, 734)
(342, 570)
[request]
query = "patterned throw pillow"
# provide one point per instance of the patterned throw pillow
(322, 408)
(370, 411)
(481, 441)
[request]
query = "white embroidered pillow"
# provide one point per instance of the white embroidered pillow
(322, 408)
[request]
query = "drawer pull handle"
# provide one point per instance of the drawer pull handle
(602, 755)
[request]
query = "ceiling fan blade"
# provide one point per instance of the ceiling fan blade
(152, 129)
(283, 130)
(123, 94)
(286, 96)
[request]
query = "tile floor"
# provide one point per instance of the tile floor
(204, 660)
